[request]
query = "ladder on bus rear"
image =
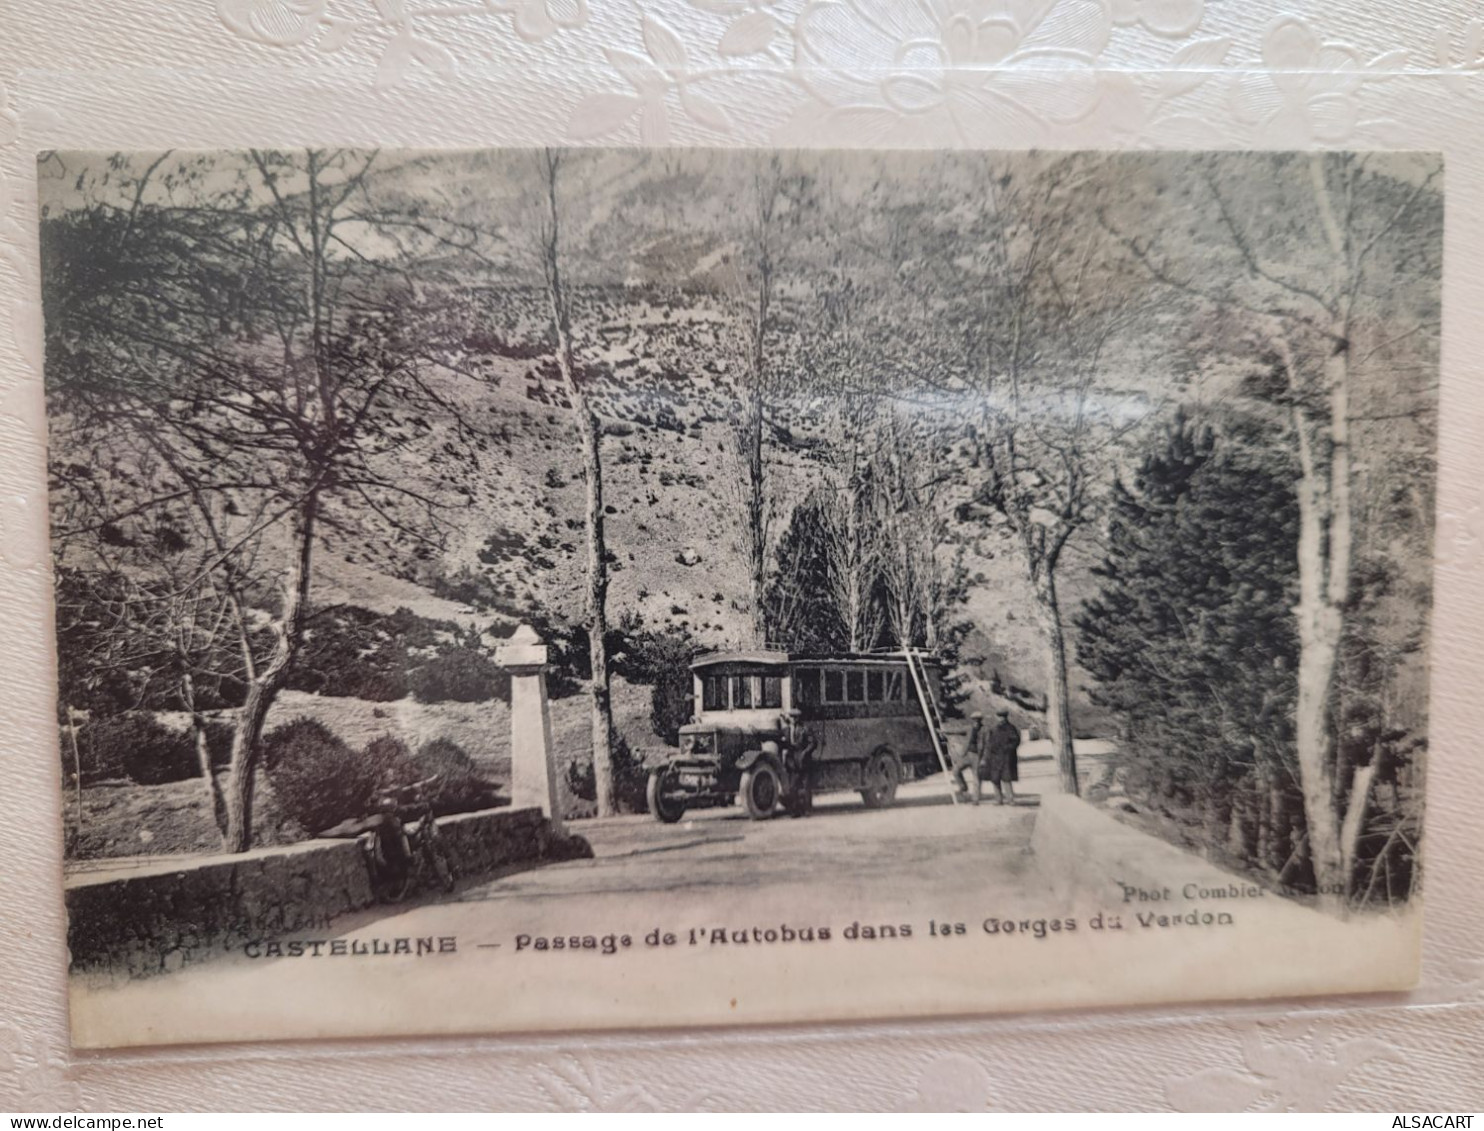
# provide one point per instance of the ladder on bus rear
(931, 715)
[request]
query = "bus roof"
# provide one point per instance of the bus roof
(782, 659)
(775, 658)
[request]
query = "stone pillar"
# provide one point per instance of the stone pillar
(533, 781)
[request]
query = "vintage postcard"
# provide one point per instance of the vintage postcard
(544, 590)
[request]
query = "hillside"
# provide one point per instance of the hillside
(666, 392)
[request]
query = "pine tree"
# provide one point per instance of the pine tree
(800, 604)
(1191, 639)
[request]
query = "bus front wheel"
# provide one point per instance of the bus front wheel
(760, 791)
(664, 805)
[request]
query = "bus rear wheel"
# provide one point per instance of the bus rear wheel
(879, 779)
(760, 791)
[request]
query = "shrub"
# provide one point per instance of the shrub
(145, 751)
(630, 778)
(390, 763)
(218, 743)
(319, 780)
(460, 787)
(353, 651)
(581, 780)
(460, 675)
(136, 746)
(468, 587)
(376, 686)
(91, 769)
(83, 760)
(660, 659)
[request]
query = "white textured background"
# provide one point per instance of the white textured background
(1064, 73)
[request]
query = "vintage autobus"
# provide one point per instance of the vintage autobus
(772, 728)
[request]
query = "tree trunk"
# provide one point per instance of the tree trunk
(1324, 570)
(1214, 821)
(1267, 804)
(853, 610)
(1324, 576)
(1058, 695)
(1275, 846)
(264, 689)
(904, 614)
(1241, 825)
(597, 613)
(76, 772)
(931, 605)
(1353, 824)
(1318, 635)
(246, 743)
(590, 434)
(203, 753)
(208, 777)
(756, 537)
(752, 442)
(855, 572)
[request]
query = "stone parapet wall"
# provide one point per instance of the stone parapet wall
(480, 843)
(1085, 853)
(160, 915)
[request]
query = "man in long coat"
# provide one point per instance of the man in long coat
(999, 758)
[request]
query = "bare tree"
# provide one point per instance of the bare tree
(905, 521)
(842, 362)
(779, 194)
(750, 432)
(589, 431)
(232, 318)
(1309, 291)
(154, 630)
(1031, 360)
(889, 461)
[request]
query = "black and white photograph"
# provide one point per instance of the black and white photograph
(517, 590)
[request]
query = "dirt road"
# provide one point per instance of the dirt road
(920, 862)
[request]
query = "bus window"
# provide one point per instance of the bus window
(772, 691)
(834, 686)
(874, 687)
(714, 693)
(894, 685)
(855, 686)
(741, 692)
(806, 687)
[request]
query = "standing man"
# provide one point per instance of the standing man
(966, 759)
(798, 758)
(1000, 759)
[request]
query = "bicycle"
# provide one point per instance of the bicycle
(403, 855)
